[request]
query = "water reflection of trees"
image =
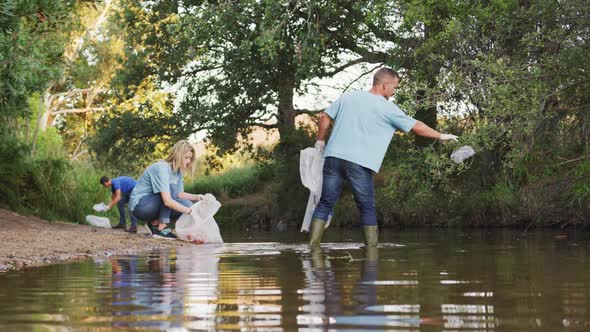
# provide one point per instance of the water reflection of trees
(465, 283)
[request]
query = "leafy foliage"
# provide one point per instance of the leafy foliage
(512, 84)
(240, 63)
(32, 38)
(138, 132)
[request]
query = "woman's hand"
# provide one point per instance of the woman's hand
(191, 197)
(195, 241)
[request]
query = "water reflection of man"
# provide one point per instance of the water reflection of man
(366, 290)
(322, 291)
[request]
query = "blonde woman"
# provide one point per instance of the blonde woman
(159, 196)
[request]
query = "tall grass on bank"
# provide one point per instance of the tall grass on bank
(233, 182)
(61, 190)
(47, 185)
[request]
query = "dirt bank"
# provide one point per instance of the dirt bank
(30, 241)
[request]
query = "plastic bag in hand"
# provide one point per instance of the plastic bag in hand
(200, 226)
(311, 163)
(100, 207)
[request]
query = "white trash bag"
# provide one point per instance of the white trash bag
(462, 153)
(97, 221)
(311, 164)
(200, 225)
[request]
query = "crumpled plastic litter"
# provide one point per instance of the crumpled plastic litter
(99, 207)
(200, 224)
(97, 221)
(462, 153)
(311, 164)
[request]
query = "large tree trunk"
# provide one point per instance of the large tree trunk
(286, 119)
(286, 111)
(285, 87)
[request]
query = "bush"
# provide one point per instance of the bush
(12, 169)
(49, 186)
(232, 183)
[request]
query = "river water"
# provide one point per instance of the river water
(434, 280)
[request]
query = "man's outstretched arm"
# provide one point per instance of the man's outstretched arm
(421, 129)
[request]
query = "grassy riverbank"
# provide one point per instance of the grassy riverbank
(266, 193)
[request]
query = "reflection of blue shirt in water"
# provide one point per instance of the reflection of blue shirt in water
(364, 124)
(157, 178)
(123, 183)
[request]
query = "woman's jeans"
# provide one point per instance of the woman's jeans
(151, 207)
(337, 170)
(121, 205)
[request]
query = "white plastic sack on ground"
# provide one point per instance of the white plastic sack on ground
(462, 153)
(311, 163)
(97, 221)
(99, 207)
(200, 225)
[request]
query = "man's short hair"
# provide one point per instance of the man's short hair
(383, 74)
(104, 179)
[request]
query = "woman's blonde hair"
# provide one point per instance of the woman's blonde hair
(176, 157)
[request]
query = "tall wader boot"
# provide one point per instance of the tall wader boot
(317, 257)
(317, 231)
(371, 235)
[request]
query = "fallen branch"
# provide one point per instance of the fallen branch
(571, 161)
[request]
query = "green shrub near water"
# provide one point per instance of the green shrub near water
(48, 184)
(13, 168)
(233, 182)
(57, 189)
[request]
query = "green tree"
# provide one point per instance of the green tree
(513, 81)
(32, 39)
(240, 63)
(75, 100)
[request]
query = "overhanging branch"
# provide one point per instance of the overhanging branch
(360, 76)
(308, 112)
(341, 68)
(264, 125)
(79, 110)
(201, 69)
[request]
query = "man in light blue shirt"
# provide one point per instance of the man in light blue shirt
(364, 123)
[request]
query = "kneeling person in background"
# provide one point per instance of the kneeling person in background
(121, 188)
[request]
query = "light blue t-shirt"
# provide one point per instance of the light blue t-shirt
(364, 124)
(157, 178)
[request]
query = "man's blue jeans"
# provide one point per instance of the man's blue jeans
(151, 207)
(121, 205)
(360, 178)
